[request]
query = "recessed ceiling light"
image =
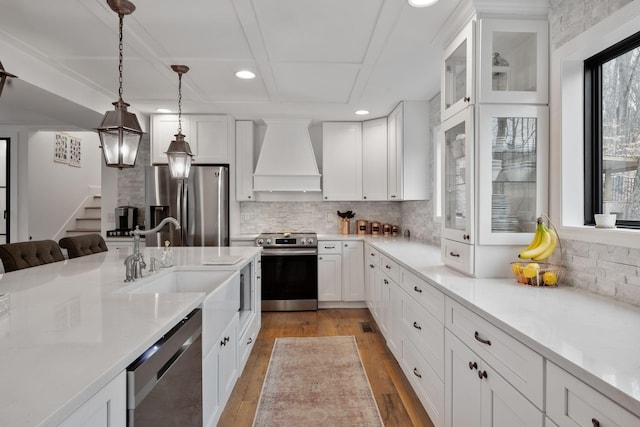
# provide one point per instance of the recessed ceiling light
(422, 3)
(362, 112)
(245, 74)
(163, 110)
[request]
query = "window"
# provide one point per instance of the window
(612, 133)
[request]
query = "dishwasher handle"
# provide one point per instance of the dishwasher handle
(146, 370)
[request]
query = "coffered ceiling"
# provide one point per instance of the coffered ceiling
(320, 59)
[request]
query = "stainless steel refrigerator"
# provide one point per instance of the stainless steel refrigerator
(200, 204)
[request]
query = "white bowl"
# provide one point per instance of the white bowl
(605, 220)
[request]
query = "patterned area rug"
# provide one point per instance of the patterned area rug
(316, 381)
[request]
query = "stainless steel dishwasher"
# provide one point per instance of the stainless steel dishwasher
(164, 385)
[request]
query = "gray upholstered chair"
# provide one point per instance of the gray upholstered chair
(82, 245)
(19, 255)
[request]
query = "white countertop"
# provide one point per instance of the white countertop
(595, 338)
(67, 328)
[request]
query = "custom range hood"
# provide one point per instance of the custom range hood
(286, 161)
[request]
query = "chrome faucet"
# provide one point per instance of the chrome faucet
(134, 263)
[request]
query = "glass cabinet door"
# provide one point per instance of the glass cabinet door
(457, 175)
(512, 172)
(513, 61)
(457, 73)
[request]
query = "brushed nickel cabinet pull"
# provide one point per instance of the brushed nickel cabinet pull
(417, 289)
(595, 422)
(482, 340)
(482, 374)
(454, 254)
(416, 373)
(415, 325)
(473, 365)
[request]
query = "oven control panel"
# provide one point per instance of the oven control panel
(287, 240)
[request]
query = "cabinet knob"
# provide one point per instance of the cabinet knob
(482, 374)
(325, 197)
(346, 245)
(416, 373)
(482, 340)
(364, 197)
(320, 258)
(467, 99)
(473, 365)
(371, 265)
(248, 197)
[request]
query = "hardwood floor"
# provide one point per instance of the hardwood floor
(398, 404)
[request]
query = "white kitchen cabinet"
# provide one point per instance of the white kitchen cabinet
(457, 89)
(495, 141)
(211, 137)
(513, 139)
(245, 130)
(250, 313)
(342, 160)
(352, 271)
(513, 61)
(409, 176)
(477, 395)
(220, 372)
(425, 382)
(572, 403)
(340, 271)
(329, 277)
(371, 263)
(108, 407)
(374, 159)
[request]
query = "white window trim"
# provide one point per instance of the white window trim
(566, 192)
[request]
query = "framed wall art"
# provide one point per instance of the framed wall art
(75, 152)
(60, 148)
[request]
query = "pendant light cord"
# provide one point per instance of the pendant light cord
(179, 102)
(120, 47)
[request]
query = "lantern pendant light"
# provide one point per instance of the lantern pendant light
(120, 132)
(179, 152)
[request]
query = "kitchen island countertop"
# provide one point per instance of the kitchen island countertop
(68, 328)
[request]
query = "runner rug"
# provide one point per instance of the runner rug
(316, 381)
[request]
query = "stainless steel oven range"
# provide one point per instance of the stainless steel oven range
(289, 271)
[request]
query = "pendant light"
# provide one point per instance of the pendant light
(179, 152)
(120, 132)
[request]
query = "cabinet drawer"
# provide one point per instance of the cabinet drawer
(390, 268)
(570, 402)
(371, 257)
(329, 247)
(425, 294)
(517, 363)
(457, 255)
(425, 332)
(425, 382)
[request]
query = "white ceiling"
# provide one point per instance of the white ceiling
(318, 59)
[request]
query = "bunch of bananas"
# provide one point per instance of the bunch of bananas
(543, 244)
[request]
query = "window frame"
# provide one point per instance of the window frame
(593, 129)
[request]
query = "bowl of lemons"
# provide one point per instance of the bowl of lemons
(537, 273)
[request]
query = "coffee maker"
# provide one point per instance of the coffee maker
(126, 218)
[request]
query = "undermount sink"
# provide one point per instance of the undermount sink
(184, 281)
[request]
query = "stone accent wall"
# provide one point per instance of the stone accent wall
(131, 180)
(603, 269)
(262, 217)
(568, 18)
(608, 270)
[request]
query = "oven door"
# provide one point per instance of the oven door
(289, 279)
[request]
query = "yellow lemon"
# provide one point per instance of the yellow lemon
(516, 268)
(531, 270)
(550, 278)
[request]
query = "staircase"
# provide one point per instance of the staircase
(88, 218)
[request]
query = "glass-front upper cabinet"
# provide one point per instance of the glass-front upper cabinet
(512, 171)
(457, 176)
(513, 61)
(457, 73)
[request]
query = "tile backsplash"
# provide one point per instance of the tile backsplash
(319, 217)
